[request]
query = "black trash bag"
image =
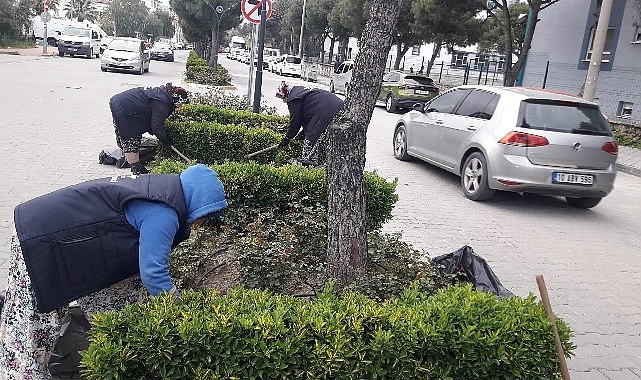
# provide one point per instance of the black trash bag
(114, 156)
(65, 360)
(470, 267)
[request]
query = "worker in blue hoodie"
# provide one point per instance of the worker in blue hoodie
(311, 109)
(98, 243)
(144, 109)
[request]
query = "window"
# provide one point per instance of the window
(448, 101)
(479, 104)
(624, 110)
(607, 48)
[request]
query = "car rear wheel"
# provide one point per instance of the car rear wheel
(400, 144)
(474, 178)
(583, 202)
(390, 105)
(61, 54)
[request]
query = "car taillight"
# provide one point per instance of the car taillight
(610, 147)
(523, 139)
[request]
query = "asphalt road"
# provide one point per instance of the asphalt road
(57, 120)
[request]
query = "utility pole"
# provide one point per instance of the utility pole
(302, 26)
(597, 50)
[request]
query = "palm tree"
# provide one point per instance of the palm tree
(80, 9)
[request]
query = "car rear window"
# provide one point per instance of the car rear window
(425, 81)
(294, 60)
(564, 117)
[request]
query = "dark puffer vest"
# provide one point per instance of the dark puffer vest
(76, 240)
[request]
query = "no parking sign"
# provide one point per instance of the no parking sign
(251, 9)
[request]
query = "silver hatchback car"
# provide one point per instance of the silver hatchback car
(514, 139)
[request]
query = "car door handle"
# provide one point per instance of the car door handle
(471, 128)
(439, 121)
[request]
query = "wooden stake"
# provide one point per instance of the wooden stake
(565, 375)
(268, 149)
(180, 154)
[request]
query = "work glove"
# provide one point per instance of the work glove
(283, 142)
(137, 169)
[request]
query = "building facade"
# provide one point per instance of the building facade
(562, 47)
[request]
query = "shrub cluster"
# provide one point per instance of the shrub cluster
(457, 333)
(199, 71)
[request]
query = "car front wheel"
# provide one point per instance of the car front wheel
(400, 144)
(389, 104)
(474, 178)
(584, 202)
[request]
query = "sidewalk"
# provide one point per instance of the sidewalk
(31, 52)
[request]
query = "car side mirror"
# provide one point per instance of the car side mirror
(418, 107)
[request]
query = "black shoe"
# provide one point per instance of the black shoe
(138, 169)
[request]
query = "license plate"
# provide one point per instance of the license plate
(576, 179)
(422, 92)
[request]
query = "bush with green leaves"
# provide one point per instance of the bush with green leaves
(199, 71)
(203, 113)
(251, 187)
(456, 333)
(220, 98)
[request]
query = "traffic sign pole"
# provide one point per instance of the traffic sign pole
(259, 64)
(45, 18)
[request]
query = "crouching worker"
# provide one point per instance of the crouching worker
(143, 109)
(311, 109)
(98, 242)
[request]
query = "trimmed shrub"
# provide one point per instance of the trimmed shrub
(457, 333)
(201, 113)
(251, 187)
(199, 71)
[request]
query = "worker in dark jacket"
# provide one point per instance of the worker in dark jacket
(98, 242)
(143, 109)
(312, 109)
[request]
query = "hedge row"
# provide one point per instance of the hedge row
(201, 113)
(456, 333)
(251, 186)
(199, 71)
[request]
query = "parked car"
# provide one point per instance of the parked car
(403, 90)
(288, 65)
(514, 139)
(341, 77)
(162, 51)
(125, 54)
(273, 64)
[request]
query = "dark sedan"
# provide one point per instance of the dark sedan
(162, 51)
(404, 90)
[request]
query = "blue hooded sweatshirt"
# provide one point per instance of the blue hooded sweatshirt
(158, 223)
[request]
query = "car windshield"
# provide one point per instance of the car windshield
(294, 60)
(417, 79)
(564, 117)
(80, 32)
(124, 45)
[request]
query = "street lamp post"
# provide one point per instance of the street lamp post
(219, 10)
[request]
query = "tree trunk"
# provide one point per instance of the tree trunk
(401, 50)
(435, 51)
(213, 56)
(347, 233)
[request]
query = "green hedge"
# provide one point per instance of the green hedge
(210, 114)
(458, 333)
(251, 186)
(199, 71)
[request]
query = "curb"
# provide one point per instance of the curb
(629, 170)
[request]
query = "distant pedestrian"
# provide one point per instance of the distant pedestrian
(98, 242)
(311, 109)
(143, 109)
(337, 62)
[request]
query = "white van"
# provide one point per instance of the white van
(341, 77)
(288, 65)
(81, 40)
(55, 27)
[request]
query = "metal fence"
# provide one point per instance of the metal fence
(446, 74)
